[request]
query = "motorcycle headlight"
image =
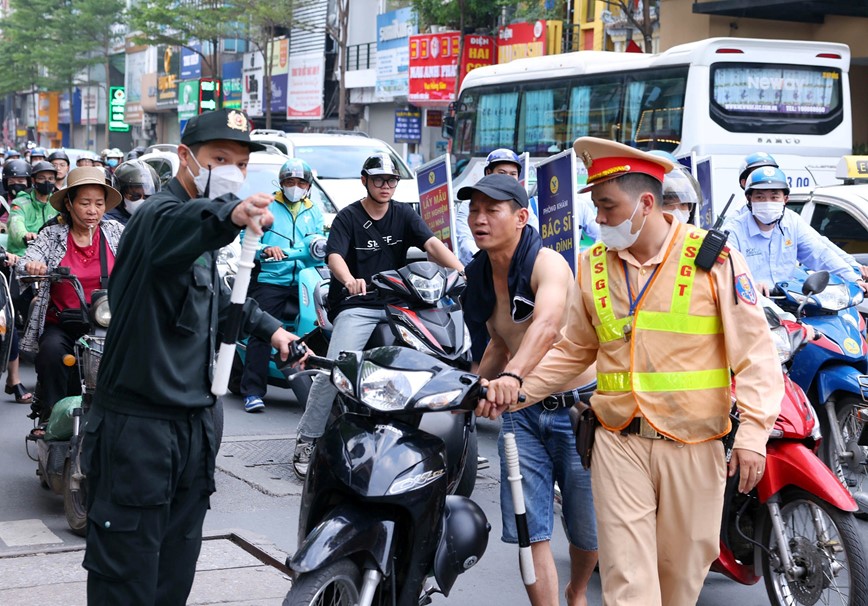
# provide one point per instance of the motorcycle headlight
(102, 315)
(781, 339)
(387, 389)
(835, 298)
(429, 290)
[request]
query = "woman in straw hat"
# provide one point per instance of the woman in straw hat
(85, 242)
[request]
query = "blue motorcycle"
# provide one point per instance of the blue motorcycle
(833, 370)
(301, 317)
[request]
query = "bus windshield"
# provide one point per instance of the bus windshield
(790, 99)
(642, 109)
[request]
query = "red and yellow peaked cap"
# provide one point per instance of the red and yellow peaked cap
(607, 160)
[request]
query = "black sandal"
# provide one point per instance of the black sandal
(22, 396)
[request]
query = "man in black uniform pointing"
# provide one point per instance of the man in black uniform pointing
(149, 443)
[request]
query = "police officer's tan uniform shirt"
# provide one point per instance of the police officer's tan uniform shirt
(749, 349)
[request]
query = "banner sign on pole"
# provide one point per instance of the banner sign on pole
(556, 193)
(435, 198)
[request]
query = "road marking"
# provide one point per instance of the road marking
(20, 533)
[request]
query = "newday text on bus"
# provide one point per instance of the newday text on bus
(709, 103)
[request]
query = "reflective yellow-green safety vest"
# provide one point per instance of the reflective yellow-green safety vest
(660, 326)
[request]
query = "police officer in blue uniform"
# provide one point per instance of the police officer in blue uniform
(774, 239)
(149, 443)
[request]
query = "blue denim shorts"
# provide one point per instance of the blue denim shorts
(547, 454)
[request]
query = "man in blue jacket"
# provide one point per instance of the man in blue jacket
(295, 218)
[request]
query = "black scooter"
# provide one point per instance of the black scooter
(425, 315)
(377, 515)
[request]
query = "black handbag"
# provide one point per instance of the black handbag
(76, 320)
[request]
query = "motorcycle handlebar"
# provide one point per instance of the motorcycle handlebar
(483, 392)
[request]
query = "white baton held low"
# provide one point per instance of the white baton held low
(220, 383)
(525, 558)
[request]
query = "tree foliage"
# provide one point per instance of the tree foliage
(479, 14)
(48, 44)
(187, 22)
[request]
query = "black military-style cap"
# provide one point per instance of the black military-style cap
(223, 125)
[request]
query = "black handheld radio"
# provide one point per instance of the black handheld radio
(714, 242)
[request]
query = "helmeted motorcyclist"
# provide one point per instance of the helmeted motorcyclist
(276, 288)
(762, 159)
(16, 178)
(86, 159)
(752, 162)
(775, 239)
(681, 194)
(137, 181)
(31, 209)
(60, 161)
(368, 236)
(113, 158)
(38, 154)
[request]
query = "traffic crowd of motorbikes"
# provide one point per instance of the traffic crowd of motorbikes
(386, 515)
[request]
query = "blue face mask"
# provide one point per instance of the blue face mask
(112, 162)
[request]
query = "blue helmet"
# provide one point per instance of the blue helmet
(502, 155)
(38, 151)
(753, 162)
(767, 177)
(295, 168)
(12, 153)
(665, 155)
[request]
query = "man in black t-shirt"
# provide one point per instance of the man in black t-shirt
(367, 237)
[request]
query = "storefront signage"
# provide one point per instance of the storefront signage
(433, 68)
(521, 40)
(408, 126)
(117, 110)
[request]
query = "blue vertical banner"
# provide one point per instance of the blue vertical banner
(435, 198)
(556, 194)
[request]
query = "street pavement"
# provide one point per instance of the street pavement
(256, 503)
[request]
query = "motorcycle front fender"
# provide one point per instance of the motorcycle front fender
(344, 532)
(838, 378)
(792, 464)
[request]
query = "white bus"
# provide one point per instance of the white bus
(710, 103)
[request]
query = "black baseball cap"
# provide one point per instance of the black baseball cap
(223, 125)
(497, 187)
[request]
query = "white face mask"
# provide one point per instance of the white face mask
(683, 216)
(294, 193)
(620, 236)
(226, 179)
(767, 212)
(133, 205)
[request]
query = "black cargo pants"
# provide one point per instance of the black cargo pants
(149, 482)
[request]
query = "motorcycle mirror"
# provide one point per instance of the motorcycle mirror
(816, 282)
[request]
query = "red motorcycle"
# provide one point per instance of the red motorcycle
(796, 528)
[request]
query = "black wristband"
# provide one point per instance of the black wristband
(514, 376)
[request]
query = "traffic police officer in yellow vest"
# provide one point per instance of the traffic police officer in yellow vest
(667, 336)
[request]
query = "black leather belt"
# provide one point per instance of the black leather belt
(565, 399)
(642, 428)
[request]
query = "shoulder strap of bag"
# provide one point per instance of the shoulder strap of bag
(103, 261)
(369, 226)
